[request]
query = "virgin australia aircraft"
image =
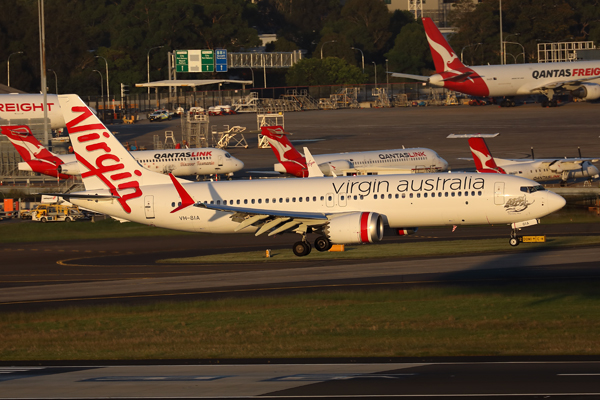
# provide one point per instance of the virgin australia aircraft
(581, 79)
(339, 210)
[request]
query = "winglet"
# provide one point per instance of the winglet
(312, 166)
(186, 199)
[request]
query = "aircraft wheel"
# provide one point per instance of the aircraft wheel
(301, 248)
(512, 103)
(322, 243)
(513, 241)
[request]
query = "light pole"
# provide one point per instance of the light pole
(55, 79)
(362, 56)
(148, 64)
(8, 66)
(331, 41)
(387, 77)
(251, 70)
(101, 83)
(107, 87)
(375, 73)
(504, 45)
(501, 38)
(463, 49)
(522, 47)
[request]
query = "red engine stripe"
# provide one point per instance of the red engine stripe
(364, 227)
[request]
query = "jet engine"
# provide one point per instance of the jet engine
(71, 168)
(587, 91)
(358, 227)
(338, 167)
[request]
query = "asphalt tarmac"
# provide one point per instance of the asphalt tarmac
(56, 274)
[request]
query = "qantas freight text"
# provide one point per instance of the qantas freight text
(17, 107)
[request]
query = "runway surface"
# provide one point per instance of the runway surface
(58, 273)
(55, 274)
(498, 380)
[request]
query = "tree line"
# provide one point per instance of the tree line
(81, 34)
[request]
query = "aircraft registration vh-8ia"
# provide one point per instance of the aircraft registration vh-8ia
(377, 162)
(340, 210)
(179, 162)
(580, 78)
(539, 170)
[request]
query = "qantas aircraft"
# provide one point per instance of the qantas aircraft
(581, 79)
(539, 170)
(179, 162)
(340, 210)
(378, 162)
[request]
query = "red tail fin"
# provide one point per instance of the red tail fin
(38, 158)
(484, 161)
(285, 152)
(26, 144)
(281, 145)
(443, 56)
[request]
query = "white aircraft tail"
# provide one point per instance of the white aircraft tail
(312, 166)
(104, 162)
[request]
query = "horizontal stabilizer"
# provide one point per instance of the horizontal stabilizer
(470, 135)
(410, 76)
(459, 78)
(84, 196)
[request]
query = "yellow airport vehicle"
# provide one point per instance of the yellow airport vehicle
(56, 213)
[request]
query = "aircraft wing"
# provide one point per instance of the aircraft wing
(460, 77)
(566, 164)
(272, 221)
(410, 76)
(555, 85)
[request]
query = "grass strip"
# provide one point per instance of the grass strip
(393, 250)
(517, 319)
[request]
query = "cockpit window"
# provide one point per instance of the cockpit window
(532, 189)
(227, 155)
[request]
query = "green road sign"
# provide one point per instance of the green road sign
(208, 60)
(181, 61)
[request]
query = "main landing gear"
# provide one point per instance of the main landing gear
(507, 103)
(303, 247)
(549, 103)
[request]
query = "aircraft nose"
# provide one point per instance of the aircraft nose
(555, 202)
(444, 164)
(239, 164)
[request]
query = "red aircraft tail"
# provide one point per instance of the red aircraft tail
(32, 151)
(285, 152)
(443, 56)
(484, 161)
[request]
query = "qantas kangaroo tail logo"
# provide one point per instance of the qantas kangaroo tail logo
(484, 161)
(283, 149)
(34, 154)
(444, 57)
(104, 162)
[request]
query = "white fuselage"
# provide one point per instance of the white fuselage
(522, 79)
(539, 170)
(381, 162)
(28, 109)
(402, 200)
(179, 162)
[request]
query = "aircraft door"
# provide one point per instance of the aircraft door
(220, 160)
(499, 193)
(149, 207)
(329, 199)
(343, 199)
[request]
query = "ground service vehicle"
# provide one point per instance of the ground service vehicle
(56, 213)
(159, 115)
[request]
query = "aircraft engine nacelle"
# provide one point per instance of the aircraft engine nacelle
(71, 168)
(587, 91)
(359, 227)
(338, 167)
